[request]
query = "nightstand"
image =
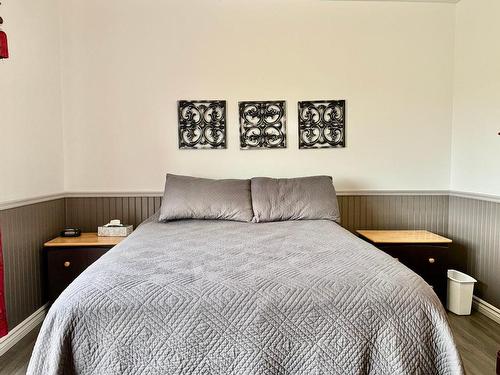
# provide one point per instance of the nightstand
(67, 257)
(422, 251)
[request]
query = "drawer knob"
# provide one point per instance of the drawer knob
(432, 260)
(67, 264)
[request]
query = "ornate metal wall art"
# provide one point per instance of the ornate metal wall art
(262, 124)
(202, 124)
(322, 124)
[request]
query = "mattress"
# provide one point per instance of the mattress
(222, 297)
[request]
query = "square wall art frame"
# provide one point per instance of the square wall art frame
(202, 124)
(262, 124)
(321, 124)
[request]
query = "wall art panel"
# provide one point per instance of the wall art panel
(322, 124)
(262, 124)
(202, 124)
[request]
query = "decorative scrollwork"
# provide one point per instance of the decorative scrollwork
(262, 124)
(202, 124)
(322, 124)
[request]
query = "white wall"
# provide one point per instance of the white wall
(126, 63)
(476, 106)
(31, 146)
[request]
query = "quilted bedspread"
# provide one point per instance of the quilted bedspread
(221, 297)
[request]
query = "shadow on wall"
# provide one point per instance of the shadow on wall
(458, 257)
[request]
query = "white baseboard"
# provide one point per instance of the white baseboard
(22, 329)
(486, 309)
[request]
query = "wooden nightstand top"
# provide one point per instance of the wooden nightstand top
(403, 236)
(86, 239)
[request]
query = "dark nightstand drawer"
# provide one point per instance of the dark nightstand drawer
(429, 261)
(424, 252)
(68, 257)
(65, 264)
(421, 258)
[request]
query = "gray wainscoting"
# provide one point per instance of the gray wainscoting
(358, 211)
(24, 230)
(474, 226)
(395, 212)
(89, 212)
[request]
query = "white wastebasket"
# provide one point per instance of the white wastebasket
(460, 289)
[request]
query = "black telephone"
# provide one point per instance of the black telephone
(71, 232)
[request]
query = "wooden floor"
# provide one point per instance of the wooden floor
(477, 337)
(478, 340)
(15, 361)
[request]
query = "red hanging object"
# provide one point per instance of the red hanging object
(4, 49)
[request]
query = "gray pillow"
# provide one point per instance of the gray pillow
(305, 198)
(201, 198)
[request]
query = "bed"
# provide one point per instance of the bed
(226, 297)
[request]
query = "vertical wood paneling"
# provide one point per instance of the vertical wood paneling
(89, 213)
(474, 225)
(24, 230)
(357, 211)
(395, 212)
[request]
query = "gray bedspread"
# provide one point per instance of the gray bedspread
(221, 297)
